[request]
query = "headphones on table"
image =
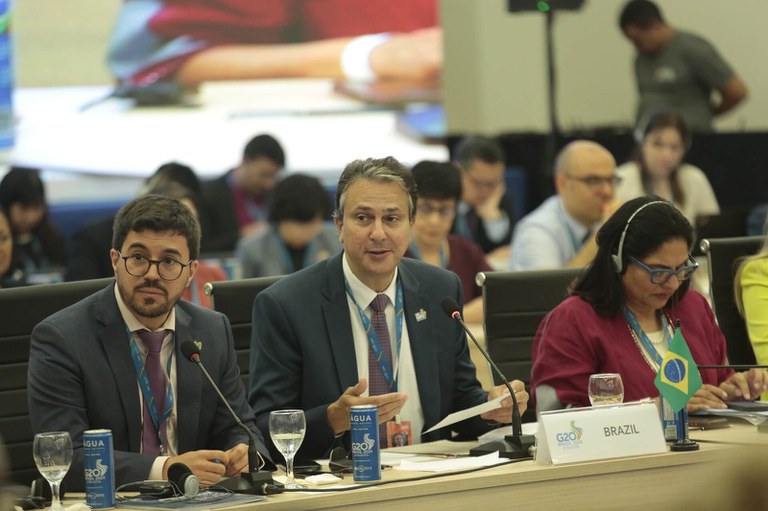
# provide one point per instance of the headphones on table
(182, 484)
(617, 257)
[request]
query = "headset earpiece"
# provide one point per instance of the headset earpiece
(185, 483)
(617, 258)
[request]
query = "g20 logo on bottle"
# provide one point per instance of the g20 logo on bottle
(570, 439)
(364, 447)
(96, 473)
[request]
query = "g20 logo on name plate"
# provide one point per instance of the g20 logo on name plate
(570, 439)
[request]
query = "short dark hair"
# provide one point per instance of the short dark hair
(640, 13)
(477, 147)
(174, 172)
(264, 146)
(298, 197)
(22, 185)
(383, 170)
(160, 214)
(600, 284)
(437, 180)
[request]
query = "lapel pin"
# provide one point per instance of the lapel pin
(198, 344)
(421, 315)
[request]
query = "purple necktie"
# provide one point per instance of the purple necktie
(153, 341)
(377, 384)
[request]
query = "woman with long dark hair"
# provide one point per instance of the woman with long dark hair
(37, 246)
(658, 168)
(623, 311)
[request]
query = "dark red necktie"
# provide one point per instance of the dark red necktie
(153, 367)
(377, 384)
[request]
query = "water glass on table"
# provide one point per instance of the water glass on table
(53, 455)
(606, 389)
(287, 428)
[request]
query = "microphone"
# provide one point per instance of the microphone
(515, 445)
(254, 481)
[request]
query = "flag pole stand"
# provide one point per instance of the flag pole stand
(683, 443)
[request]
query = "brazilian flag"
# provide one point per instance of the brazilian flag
(678, 378)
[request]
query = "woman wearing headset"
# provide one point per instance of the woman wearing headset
(658, 168)
(623, 311)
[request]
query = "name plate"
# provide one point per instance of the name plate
(600, 432)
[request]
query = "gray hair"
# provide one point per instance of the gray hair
(383, 170)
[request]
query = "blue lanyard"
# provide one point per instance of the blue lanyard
(146, 391)
(309, 254)
(194, 292)
(417, 254)
(386, 370)
(647, 344)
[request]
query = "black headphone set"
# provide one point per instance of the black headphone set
(182, 484)
(618, 264)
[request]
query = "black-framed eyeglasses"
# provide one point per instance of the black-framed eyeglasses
(662, 275)
(340, 460)
(168, 268)
(597, 181)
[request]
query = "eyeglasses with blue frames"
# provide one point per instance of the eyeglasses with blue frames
(138, 265)
(662, 275)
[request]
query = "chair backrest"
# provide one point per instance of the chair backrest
(723, 255)
(20, 310)
(515, 304)
(234, 299)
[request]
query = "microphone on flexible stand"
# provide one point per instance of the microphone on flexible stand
(255, 481)
(516, 445)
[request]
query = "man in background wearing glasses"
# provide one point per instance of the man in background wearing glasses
(560, 233)
(114, 361)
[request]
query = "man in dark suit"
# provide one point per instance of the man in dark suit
(235, 204)
(98, 365)
(318, 345)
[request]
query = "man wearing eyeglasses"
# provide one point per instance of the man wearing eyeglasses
(560, 233)
(114, 361)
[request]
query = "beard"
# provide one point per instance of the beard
(150, 306)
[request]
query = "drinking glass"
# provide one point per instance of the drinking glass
(287, 428)
(53, 455)
(606, 389)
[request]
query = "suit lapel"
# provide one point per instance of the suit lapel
(338, 326)
(421, 335)
(114, 337)
(188, 384)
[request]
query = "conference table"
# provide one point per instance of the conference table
(644, 482)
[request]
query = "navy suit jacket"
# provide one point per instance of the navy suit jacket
(81, 376)
(303, 353)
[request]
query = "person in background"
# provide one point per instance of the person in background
(8, 278)
(485, 212)
(316, 332)
(89, 250)
(560, 233)
(37, 245)
(298, 235)
(438, 186)
(235, 204)
(751, 294)
(658, 168)
(114, 360)
(623, 312)
(206, 272)
(677, 70)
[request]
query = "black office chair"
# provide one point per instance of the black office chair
(21, 309)
(234, 299)
(515, 304)
(723, 255)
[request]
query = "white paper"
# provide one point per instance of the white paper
(469, 412)
(412, 465)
